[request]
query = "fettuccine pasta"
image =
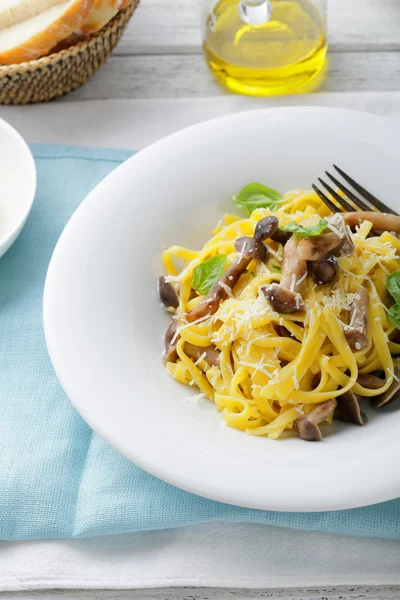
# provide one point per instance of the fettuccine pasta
(271, 372)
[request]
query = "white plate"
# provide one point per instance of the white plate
(17, 185)
(104, 324)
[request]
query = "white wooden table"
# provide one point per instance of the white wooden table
(160, 54)
(160, 57)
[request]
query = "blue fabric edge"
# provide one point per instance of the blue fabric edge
(52, 151)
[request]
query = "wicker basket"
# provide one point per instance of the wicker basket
(52, 76)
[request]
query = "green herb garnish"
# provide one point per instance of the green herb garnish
(207, 273)
(252, 274)
(276, 267)
(394, 315)
(393, 285)
(257, 195)
(302, 231)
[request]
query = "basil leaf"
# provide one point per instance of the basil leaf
(207, 273)
(393, 285)
(394, 315)
(257, 195)
(302, 231)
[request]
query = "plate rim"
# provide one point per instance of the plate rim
(170, 476)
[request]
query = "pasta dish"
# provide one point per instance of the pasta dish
(289, 316)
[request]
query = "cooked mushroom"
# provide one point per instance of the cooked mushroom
(381, 221)
(307, 425)
(370, 381)
(170, 354)
(248, 245)
(209, 305)
(266, 228)
(285, 297)
(356, 335)
(391, 394)
(293, 269)
(211, 354)
(281, 237)
(325, 269)
(315, 248)
(348, 409)
(167, 293)
(346, 246)
(283, 300)
(283, 332)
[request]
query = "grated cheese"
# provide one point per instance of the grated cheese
(243, 250)
(299, 281)
(295, 380)
(226, 288)
(257, 368)
(384, 269)
(200, 358)
(276, 254)
(393, 375)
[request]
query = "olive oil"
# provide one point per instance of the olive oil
(286, 54)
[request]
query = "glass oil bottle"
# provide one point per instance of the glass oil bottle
(266, 47)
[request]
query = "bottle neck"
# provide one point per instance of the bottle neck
(255, 12)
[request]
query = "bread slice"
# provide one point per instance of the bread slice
(16, 11)
(103, 12)
(36, 36)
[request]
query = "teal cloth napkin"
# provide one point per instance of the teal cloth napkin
(57, 477)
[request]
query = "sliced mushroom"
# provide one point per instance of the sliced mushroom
(170, 354)
(391, 394)
(307, 425)
(381, 221)
(167, 293)
(348, 409)
(209, 305)
(247, 245)
(315, 248)
(325, 269)
(356, 335)
(293, 269)
(346, 246)
(266, 228)
(211, 353)
(283, 300)
(370, 381)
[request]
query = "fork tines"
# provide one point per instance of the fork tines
(351, 202)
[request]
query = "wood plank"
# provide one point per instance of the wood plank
(160, 27)
(327, 593)
(178, 76)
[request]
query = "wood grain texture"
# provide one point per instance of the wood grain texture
(160, 26)
(341, 593)
(179, 76)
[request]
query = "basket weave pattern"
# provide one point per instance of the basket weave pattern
(58, 74)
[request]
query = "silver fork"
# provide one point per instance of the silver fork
(352, 202)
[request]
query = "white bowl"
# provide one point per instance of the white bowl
(17, 185)
(104, 325)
